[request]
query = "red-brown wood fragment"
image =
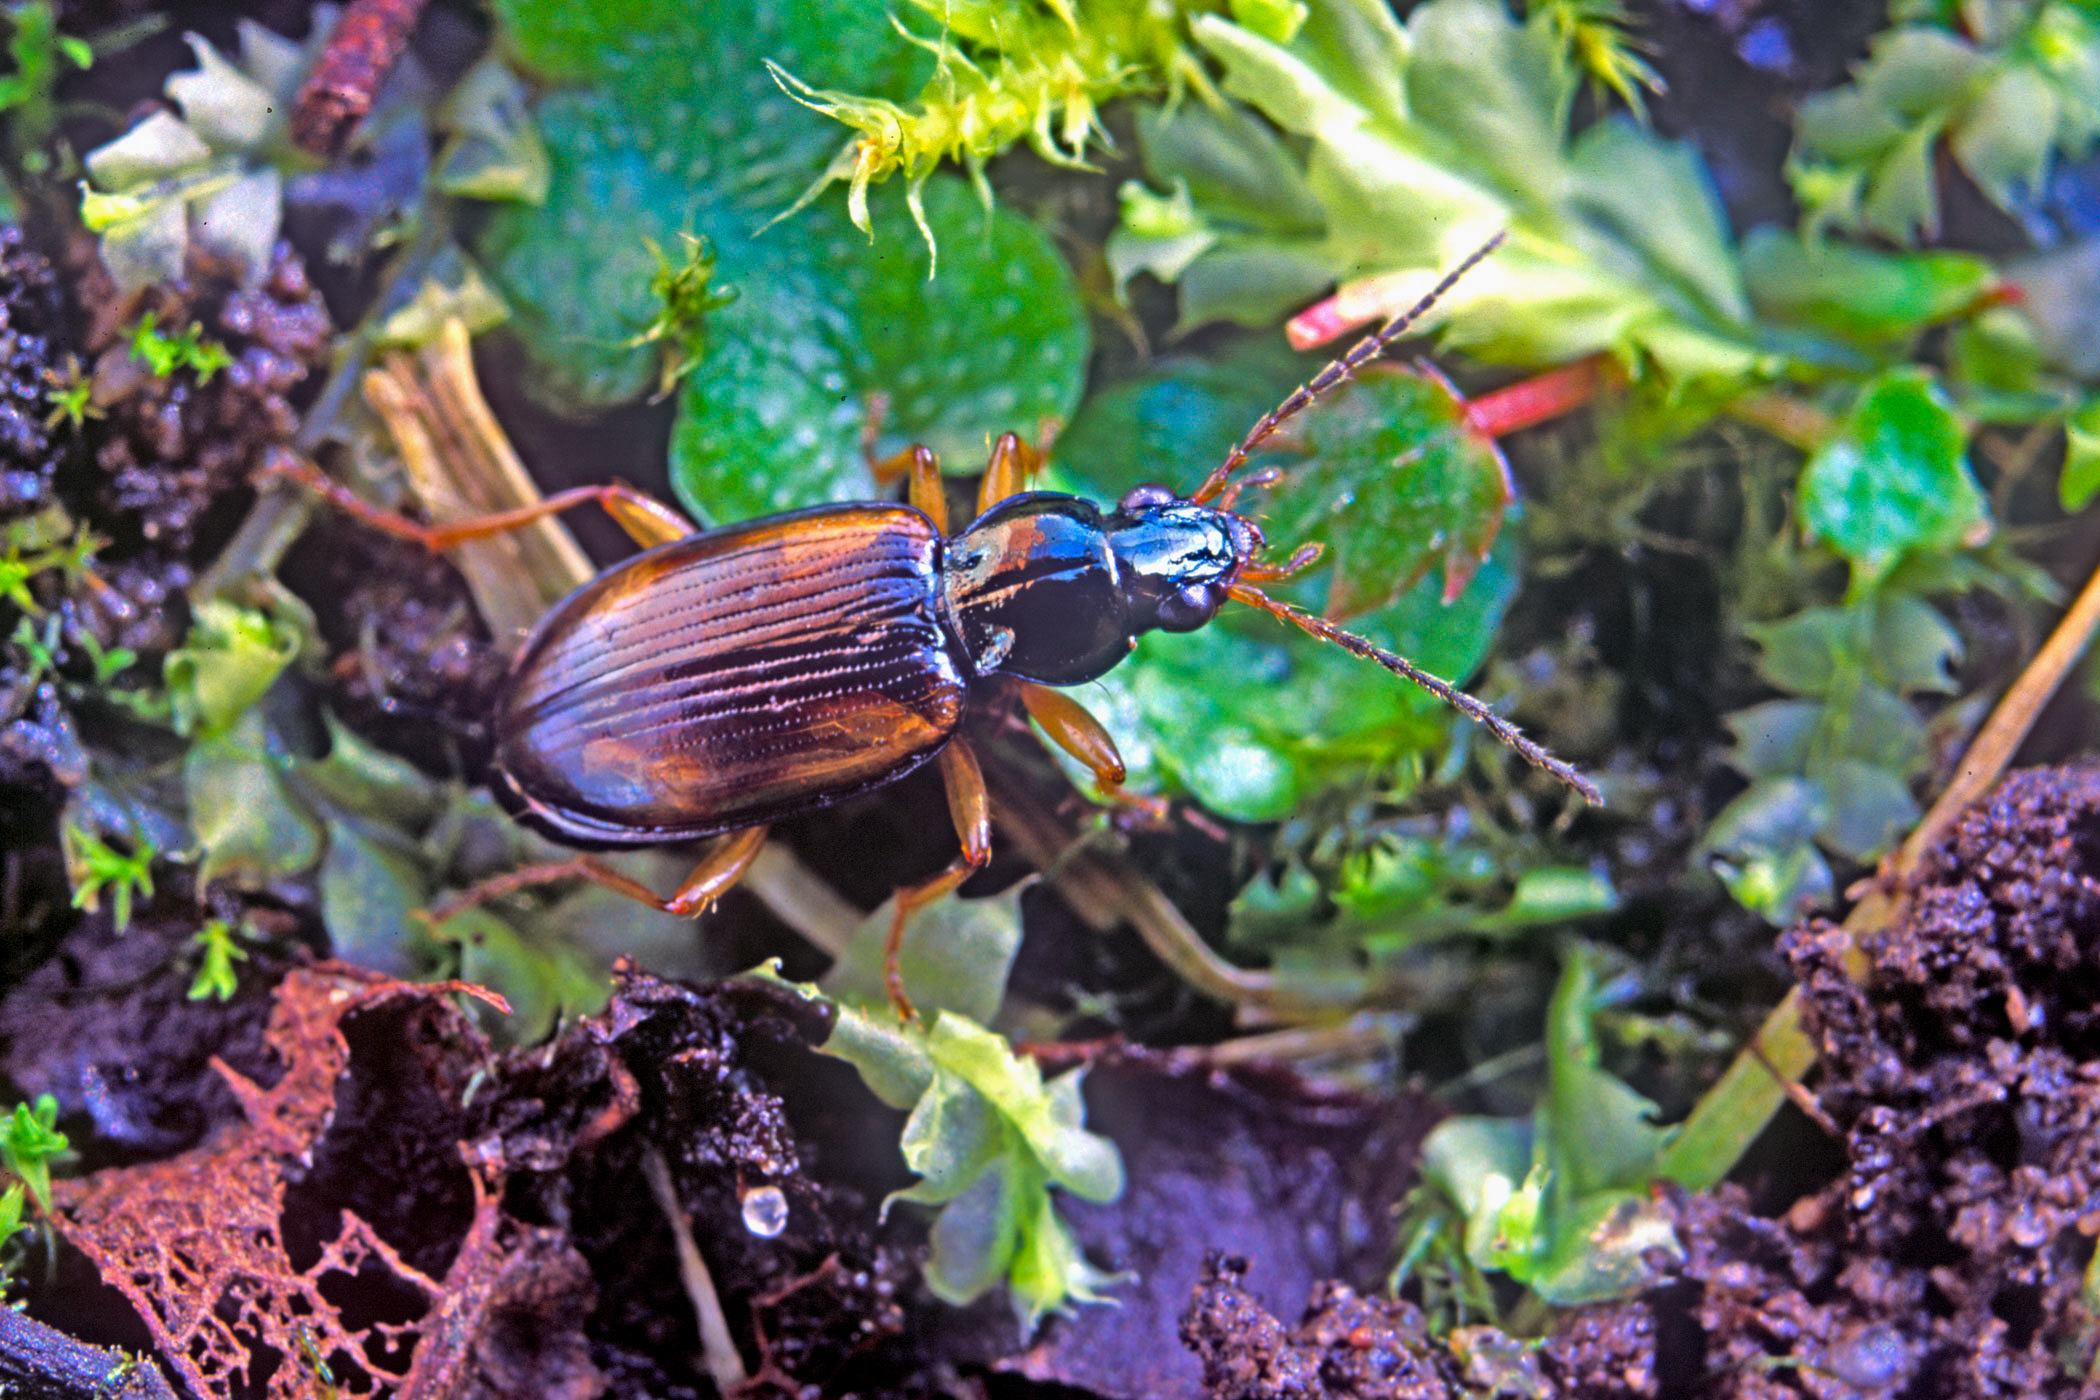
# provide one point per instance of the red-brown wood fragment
(336, 96)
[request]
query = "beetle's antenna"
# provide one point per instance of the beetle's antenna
(1530, 750)
(1360, 354)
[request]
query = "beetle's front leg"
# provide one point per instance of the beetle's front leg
(1013, 463)
(923, 488)
(1068, 725)
(971, 812)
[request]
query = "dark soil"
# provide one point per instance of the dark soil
(1948, 1259)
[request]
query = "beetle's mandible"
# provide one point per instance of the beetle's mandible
(723, 680)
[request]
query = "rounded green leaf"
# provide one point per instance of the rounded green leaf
(2081, 475)
(680, 131)
(1895, 478)
(1396, 481)
(996, 342)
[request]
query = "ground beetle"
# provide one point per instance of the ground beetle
(724, 680)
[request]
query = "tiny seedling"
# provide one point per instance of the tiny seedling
(97, 866)
(165, 353)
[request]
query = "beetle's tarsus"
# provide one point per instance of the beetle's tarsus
(971, 811)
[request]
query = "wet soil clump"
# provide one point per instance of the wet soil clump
(1962, 1065)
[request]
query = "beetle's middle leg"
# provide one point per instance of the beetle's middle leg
(971, 811)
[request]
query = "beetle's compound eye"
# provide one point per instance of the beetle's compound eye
(1144, 497)
(1190, 608)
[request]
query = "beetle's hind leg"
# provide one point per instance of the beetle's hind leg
(718, 870)
(971, 811)
(646, 520)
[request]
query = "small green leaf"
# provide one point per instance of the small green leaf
(1159, 234)
(1773, 740)
(1877, 726)
(973, 1239)
(370, 888)
(494, 151)
(11, 1211)
(1913, 645)
(1814, 652)
(1553, 894)
(1395, 875)
(94, 866)
(1462, 1156)
(229, 658)
(1269, 911)
(359, 777)
(1605, 1249)
(1895, 479)
(1050, 1273)
(217, 952)
(1863, 295)
(2081, 476)
(1603, 1134)
(29, 1141)
(250, 826)
(1276, 20)
(988, 1140)
(1658, 198)
(1510, 1232)
(955, 956)
(1397, 481)
(1870, 807)
(1762, 845)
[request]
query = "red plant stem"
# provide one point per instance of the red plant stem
(1319, 323)
(1530, 402)
(367, 42)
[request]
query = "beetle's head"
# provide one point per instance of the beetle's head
(1176, 558)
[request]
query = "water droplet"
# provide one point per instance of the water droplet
(765, 1211)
